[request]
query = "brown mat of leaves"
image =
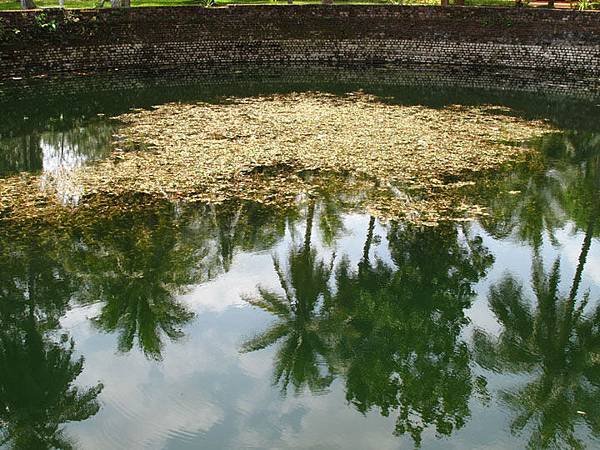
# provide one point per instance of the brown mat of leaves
(258, 149)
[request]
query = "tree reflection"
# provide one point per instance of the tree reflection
(540, 198)
(136, 265)
(22, 153)
(552, 338)
(59, 146)
(302, 355)
(557, 344)
(392, 331)
(245, 225)
(403, 350)
(37, 365)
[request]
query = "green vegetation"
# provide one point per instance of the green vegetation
(365, 324)
(369, 329)
(362, 323)
(38, 366)
(11, 4)
(76, 4)
(555, 342)
(44, 23)
(154, 264)
(550, 336)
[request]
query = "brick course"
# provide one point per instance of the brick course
(549, 44)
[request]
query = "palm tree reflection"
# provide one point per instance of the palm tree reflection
(557, 345)
(37, 366)
(391, 331)
(401, 349)
(555, 341)
(302, 356)
(558, 186)
(136, 271)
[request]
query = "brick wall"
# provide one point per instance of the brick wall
(550, 44)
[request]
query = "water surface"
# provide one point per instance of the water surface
(238, 325)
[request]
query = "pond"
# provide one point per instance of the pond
(316, 324)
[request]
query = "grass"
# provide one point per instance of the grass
(77, 4)
(12, 4)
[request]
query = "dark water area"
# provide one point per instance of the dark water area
(240, 325)
(44, 126)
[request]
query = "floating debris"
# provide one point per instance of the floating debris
(410, 161)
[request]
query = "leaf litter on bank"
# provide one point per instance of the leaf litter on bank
(411, 161)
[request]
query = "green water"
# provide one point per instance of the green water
(239, 326)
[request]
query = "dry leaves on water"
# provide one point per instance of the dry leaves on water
(411, 159)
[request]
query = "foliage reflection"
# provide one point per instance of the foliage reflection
(391, 330)
(38, 369)
(553, 338)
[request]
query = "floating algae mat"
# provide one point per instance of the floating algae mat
(409, 162)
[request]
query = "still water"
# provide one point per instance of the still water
(237, 325)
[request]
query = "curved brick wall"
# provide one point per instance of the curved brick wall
(557, 47)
